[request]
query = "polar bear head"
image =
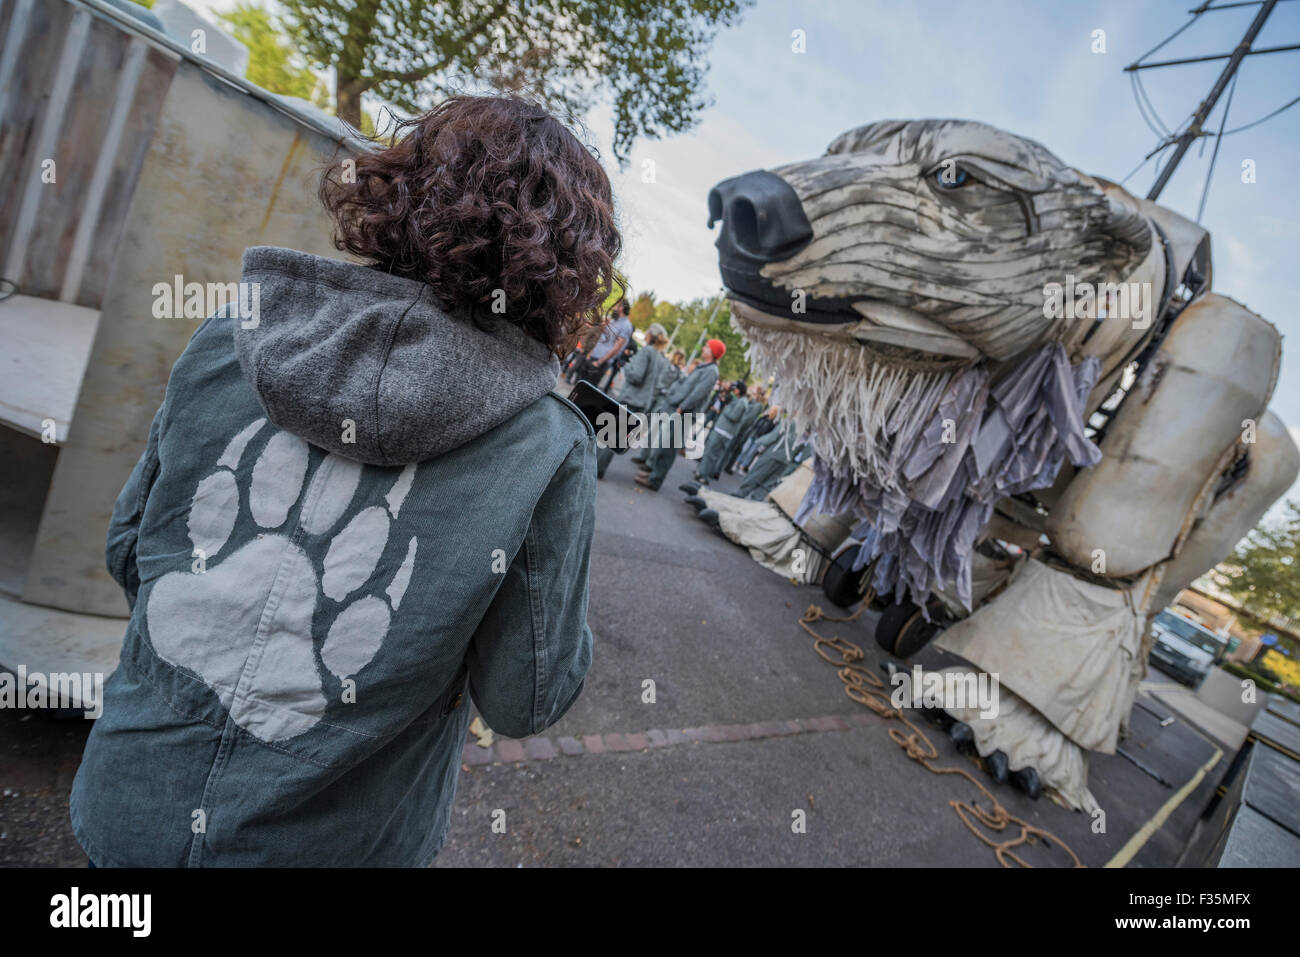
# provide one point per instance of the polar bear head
(905, 290)
(866, 278)
(940, 234)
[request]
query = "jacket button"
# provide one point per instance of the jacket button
(455, 702)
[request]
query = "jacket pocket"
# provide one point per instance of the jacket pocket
(454, 699)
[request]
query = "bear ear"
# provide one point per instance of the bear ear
(863, 138)
(1126, 222)
(1119, 215)
(1187, 244)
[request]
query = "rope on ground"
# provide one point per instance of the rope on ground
(867, 689)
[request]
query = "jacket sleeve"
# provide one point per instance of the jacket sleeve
(738, 414)
(638, 367)
(124, 526)
(766, 440)
(667, 378)
(529, 657)
(697, 392)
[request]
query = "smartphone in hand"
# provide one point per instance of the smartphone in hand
(616, 425)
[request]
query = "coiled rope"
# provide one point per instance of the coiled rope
(867, 689)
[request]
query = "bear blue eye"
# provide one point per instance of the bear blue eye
(950, 177)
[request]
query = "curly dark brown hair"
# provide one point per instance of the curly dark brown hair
(492, 202)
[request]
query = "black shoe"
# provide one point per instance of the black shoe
(938, 716)
(998, 766)
(1027, 780)
(696, 502)
(690, 488)
(963, 737)
(710, 517)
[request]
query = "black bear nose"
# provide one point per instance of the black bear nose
(762, 217)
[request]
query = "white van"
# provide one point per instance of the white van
(1185, 649)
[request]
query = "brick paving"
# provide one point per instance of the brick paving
(542, 748)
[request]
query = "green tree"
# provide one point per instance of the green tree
(693, 315)
(734, 364)
(620, 288)
(666, 314)
(273, 64)
(647, 57)
(1263, 572)
(642, 311)
(710, 318)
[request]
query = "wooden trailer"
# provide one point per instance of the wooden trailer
(130, 161)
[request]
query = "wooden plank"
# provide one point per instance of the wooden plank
(94, 178)
(77, 146)
(151, 91)
(47, 344)
(46, 640)
(24, 96)
(1254, 841)
(38, 177)
(224, 171)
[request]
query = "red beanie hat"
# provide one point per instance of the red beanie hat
(717, 347)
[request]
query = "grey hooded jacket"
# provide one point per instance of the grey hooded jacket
(322, 557)
(780, 453)
(639, 377)
(731, 416)
(667, 378)
(691, 393)
(745, 428)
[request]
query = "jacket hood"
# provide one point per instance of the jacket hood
(368, 365)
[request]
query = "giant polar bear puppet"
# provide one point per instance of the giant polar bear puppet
(989, 347)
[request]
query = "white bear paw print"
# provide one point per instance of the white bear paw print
(241, 617)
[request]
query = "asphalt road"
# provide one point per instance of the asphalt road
(677, 604)
(748, 727)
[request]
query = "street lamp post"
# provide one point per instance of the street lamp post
(721, 297)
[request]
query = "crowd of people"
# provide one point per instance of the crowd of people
(747, 433)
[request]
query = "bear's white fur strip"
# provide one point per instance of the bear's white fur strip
(858, 408)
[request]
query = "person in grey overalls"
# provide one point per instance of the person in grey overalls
(723, 435)
(749, 448)
(745, 428)
(685, 398)
(780, 454)
(640, 378)
(670, 376)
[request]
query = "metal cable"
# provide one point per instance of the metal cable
(1205, 190)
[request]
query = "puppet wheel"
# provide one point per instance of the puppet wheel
(903, 631)
(842, 585)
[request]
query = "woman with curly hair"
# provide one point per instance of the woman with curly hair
(356, 509)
